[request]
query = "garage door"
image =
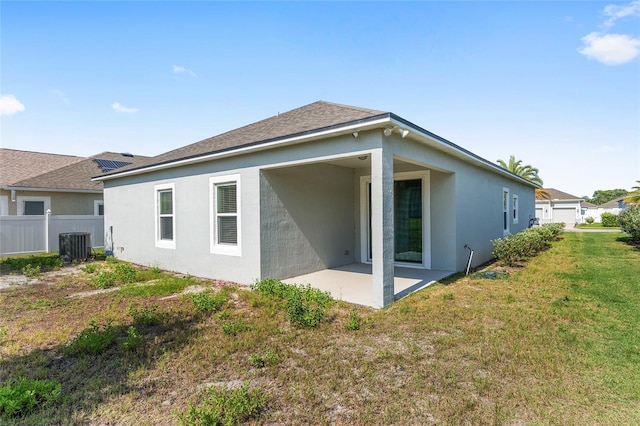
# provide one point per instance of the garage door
(567, 216)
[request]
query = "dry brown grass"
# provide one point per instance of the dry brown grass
(528, 349)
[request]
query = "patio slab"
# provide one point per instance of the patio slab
(354, 283)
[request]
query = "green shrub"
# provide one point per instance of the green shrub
(609, 220)
(133, 340)
(45, 261)
(225, 406)
(525, 244)
(302, 313)
(21, 396)
(589, 220)
(31, 271)
(146, 316)
(208, 301)
(629, 219)
(92, 340)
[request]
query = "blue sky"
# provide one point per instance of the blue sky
(557, 84)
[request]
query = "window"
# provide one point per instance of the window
(33, 206)
(225, 215)
(98, 208)
(165, 216)
(515, 209)
(505, 211)
(4, 205)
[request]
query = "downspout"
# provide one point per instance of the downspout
(46, 230)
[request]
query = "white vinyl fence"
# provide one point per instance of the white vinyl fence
(36, 234)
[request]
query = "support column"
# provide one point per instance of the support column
(382, 233)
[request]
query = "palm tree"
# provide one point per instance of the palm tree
(634, 196)
(527, 172)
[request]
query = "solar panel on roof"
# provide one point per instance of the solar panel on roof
(108, 165)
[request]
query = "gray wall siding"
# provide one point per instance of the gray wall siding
(130, 210)
(306, 219)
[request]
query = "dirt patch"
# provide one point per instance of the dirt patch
(14, 279)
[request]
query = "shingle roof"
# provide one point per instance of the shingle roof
(309, 118)
(586, 204)
(613, 204)
(76, 176)
(559, 195)
(17, 165)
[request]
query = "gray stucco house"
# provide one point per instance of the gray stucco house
(318, 187)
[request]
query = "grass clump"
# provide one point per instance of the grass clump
(208, 301)
(90, 268)
(92, 340)
(226, 407)
(164, 286)
(31, 271)
(232, 328)
(104, 279)
(305, 306)
(133, 340)
(147, 316)
(354, 322)
(21, 396)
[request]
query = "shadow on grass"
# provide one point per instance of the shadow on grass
(89, 380)
(628, 240)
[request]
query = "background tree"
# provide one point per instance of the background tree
(633, 197)
(527, 172)
(602, 196)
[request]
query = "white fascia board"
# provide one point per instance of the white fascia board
(254, 148)
(25, 188)
(450, 147)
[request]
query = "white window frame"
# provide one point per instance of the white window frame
(167, 244)
(96, 207)
(506, 212)
(22, 198)
(215, 247)
(515, 209)
(4, 205)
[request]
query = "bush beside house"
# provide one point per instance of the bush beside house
(629, 220)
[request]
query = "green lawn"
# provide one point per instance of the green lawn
(556, 342)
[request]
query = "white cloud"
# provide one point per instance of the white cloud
(610, 49)
(177, 69)
(607, 148)
(121, 108)
(10, 105)
(615, 12)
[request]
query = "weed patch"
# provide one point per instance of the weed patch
(226, 407)
(21, 396)
(92, 340)
(208, 301)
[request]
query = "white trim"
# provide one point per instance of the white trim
(168, 244)
(22, 198)
(96, 207)
(4, 205)
(506, 211)
(425, 176)
(515, 208)
(28, 188)
(224, 249)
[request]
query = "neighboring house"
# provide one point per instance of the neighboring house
(613, 207)
(32, 182)
(560, 207)
(318, 187)
(587, 210)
